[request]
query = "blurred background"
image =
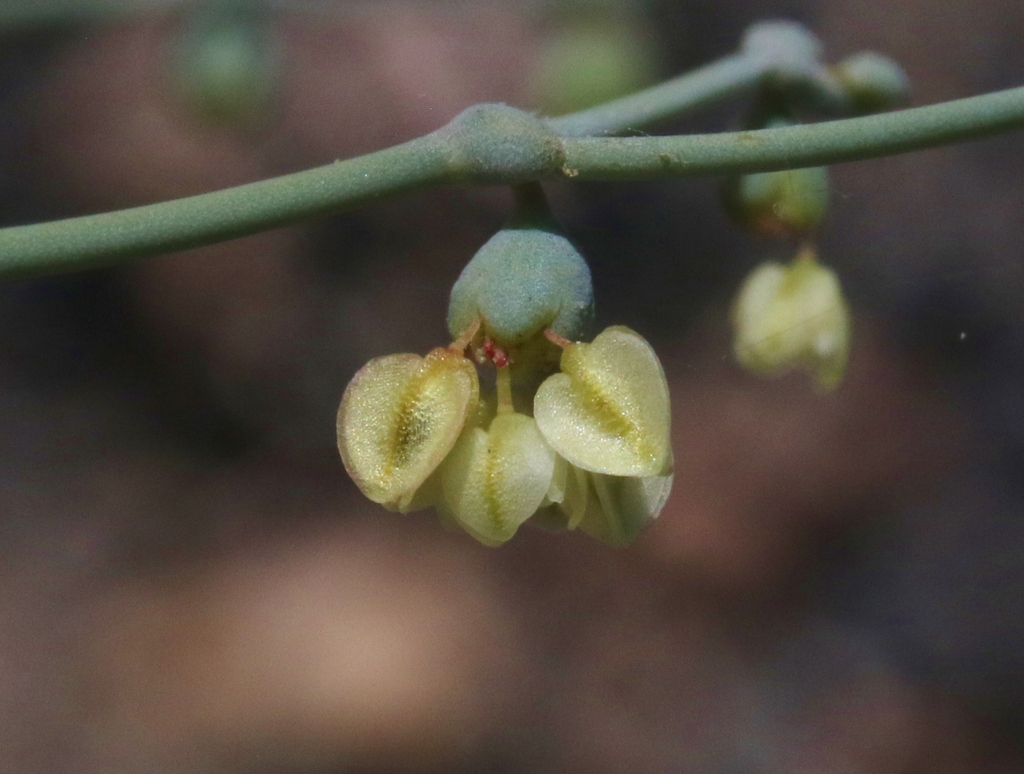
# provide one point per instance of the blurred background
(190, 583)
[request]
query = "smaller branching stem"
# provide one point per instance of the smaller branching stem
(793, 147)
(728, 77)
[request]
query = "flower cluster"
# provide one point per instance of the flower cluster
(591, 450)
(565, 433)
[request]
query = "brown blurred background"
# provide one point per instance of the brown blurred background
(190, 583)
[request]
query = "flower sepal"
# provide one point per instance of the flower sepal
(399, 418)
(494, 480)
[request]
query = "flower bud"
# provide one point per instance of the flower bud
(793, 315)
(873, 82)
(608, 410)
(788, 203)
(527, 278)
(792, 50)
(594, 60)
(399, 417)
(496, 479)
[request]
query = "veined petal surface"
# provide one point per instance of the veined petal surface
(399, 418)
(496, 479)
(608, 411)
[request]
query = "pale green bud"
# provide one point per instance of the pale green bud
(795, 315)
(789, 203)
(874, 82)
(792, 50)
(527, 278)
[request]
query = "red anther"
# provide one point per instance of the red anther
(495, 354)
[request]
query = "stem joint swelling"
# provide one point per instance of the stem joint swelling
(498, 144)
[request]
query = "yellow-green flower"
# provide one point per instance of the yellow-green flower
(608, 415)
(793, 315)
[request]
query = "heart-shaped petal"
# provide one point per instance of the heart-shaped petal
(399, 418)
(608, 411)
(496, 479)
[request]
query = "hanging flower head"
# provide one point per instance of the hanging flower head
(572, 435)
(793, 315)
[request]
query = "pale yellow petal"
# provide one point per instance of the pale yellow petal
(495, 480)
(399, 417)
(608, 411)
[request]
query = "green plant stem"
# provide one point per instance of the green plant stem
(701, 88)
(494, 145)
(831, 142)
(95, 241)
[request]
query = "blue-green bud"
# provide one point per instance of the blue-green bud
(792, 50)
(527, 278)
(789, 203)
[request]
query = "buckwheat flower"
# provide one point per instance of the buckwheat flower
(793, 316)
(571, 435)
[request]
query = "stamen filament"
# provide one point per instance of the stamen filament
(557, 340)
(504, 384)
(460, 344)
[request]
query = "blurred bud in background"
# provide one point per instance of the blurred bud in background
(598, 50)
(226, 64)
